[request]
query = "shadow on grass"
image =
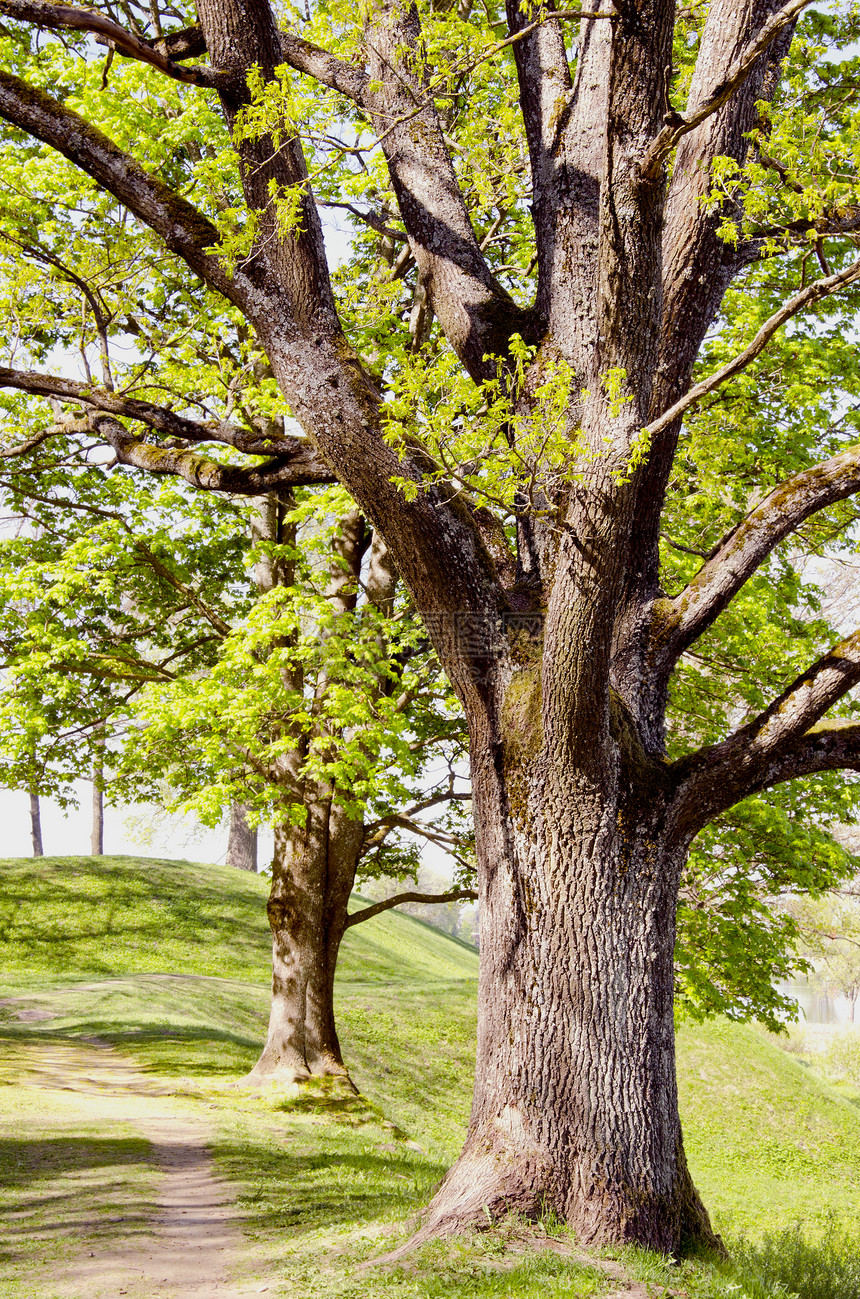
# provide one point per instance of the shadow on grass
(90, 1029)
(310, 1192)
(59, 1187)
(123, 911)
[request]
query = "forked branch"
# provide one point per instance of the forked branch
(788, 739)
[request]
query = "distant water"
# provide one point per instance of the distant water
(814, 1007)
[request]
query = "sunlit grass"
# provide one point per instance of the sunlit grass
(328, 1183)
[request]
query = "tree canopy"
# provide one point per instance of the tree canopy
(585, 368)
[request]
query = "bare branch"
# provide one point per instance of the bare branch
(367, 913)
(257, 480)
(812, 293)
(161, 419)
(324, 67)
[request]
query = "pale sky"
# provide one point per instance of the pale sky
(137, 831)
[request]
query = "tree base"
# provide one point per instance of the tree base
(487, 1186)
(289, 1082)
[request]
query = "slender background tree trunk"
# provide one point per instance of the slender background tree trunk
(97, 840)
(242, 841)
(36, 825)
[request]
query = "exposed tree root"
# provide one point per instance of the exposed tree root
(296, 1080)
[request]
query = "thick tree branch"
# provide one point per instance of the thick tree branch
(9, 453)
(544, 81)
(476, 314)
(435, 545)
(367, 913)
(698, 265)
(189, 43)
(713, 780)
(738, 556)
(306, 463)
(786, 740)
(677, 126)
(56, 17)
(183, 229)
(804, 702)
(324, 67)
(258, 480)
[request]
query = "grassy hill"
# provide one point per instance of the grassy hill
(169, 962)
(111, 916)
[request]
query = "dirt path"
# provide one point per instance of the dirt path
(185, 1243)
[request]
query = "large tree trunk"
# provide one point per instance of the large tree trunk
(242, 840)
(36, 826)
(575, 1104)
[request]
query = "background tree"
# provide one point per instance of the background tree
(292, 690)
(520, 421)
(327, 715)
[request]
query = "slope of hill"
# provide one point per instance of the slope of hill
(84, 917)
(168, 961)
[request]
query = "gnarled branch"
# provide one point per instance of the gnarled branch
(161, 419)
(257, 480)
(56, 17)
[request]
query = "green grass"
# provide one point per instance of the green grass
(769, 1142)
(94, 947)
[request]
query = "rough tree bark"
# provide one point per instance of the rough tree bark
(582, 823)
(315, 864)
